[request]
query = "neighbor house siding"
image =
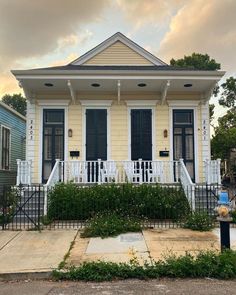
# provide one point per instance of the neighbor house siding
(118, 54)
(17, 126)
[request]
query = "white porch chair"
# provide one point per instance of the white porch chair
(109, 172)
(78, 172)
(133, 171)
(156, 173)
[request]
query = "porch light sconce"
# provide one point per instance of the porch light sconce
(70, 133)
(165, 133)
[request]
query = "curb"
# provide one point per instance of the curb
(25, 276)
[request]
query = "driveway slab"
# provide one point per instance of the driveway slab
(32, 251)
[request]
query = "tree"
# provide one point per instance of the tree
(211, 111)
(222, 143)
(196, 61)
(228, 96)
(16, 101)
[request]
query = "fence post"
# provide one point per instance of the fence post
(45, 205)
(18, 176)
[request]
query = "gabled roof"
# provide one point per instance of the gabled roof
(112, 40)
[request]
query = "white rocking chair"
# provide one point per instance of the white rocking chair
(156, 172)
(109, 172)
(133, 171)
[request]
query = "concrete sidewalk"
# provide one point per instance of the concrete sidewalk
(31, 251)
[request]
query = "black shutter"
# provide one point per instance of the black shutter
(96, 134)
(141, 134)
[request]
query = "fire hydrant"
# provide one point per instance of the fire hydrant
(223, 209)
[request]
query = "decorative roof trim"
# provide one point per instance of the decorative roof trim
(110, 41)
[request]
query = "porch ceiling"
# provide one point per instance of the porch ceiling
(110, 85)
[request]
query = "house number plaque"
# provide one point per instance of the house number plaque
(204, 129)
(31, 129)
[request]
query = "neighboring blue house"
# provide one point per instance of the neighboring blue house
(12, 143)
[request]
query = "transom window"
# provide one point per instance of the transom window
(5, 148)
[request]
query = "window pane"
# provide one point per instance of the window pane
(54, 116)
(184, 117)
(5, 148)
(189, 147)
(178, 153)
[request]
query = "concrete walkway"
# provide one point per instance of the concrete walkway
(151, 244)
(31, 251)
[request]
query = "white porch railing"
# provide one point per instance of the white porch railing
(85, 172)
(212, 171)
(187, 184)
(24, 169)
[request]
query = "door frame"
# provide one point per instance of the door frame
(51, 107)
(195, 130)
(107, 108)
(153, 129)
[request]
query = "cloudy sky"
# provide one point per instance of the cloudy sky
(54, 32)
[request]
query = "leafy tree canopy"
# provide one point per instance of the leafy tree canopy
(222, 142)
(228, 97)
(16, 101)
(197, 61)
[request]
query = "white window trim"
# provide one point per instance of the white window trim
(95, 107)
(153, 128)
(96, 103)
(195, 114)
(1, 168)
(141, 103)
(48, 107)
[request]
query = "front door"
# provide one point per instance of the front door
(96, 134)
(96, 141)
(141, 134)
(183, 134)
(53, 140)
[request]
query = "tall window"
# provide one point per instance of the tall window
(5, 144)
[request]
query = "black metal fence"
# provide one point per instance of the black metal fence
(70, 206)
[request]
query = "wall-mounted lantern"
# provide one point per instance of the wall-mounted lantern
(70, 133)
(165, 133)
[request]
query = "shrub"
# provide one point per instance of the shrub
(205, 264)
(233, 215)
(70, 202)
(199, 221)
(110, 224)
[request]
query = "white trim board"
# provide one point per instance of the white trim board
(153, 129)
(96, 103)
(195, 114)
(139, 103)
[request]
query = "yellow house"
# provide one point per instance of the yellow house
(118, 113)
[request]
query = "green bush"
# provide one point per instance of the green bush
(110, 224)
(199, 221)
(205, 264)
(71, 202)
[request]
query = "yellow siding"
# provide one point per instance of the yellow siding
(118, 139)
(118, 54)
(75, 123)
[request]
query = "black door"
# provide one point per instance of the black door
(141, 134)
(183, 134)
(96, 134)
(53, 140)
